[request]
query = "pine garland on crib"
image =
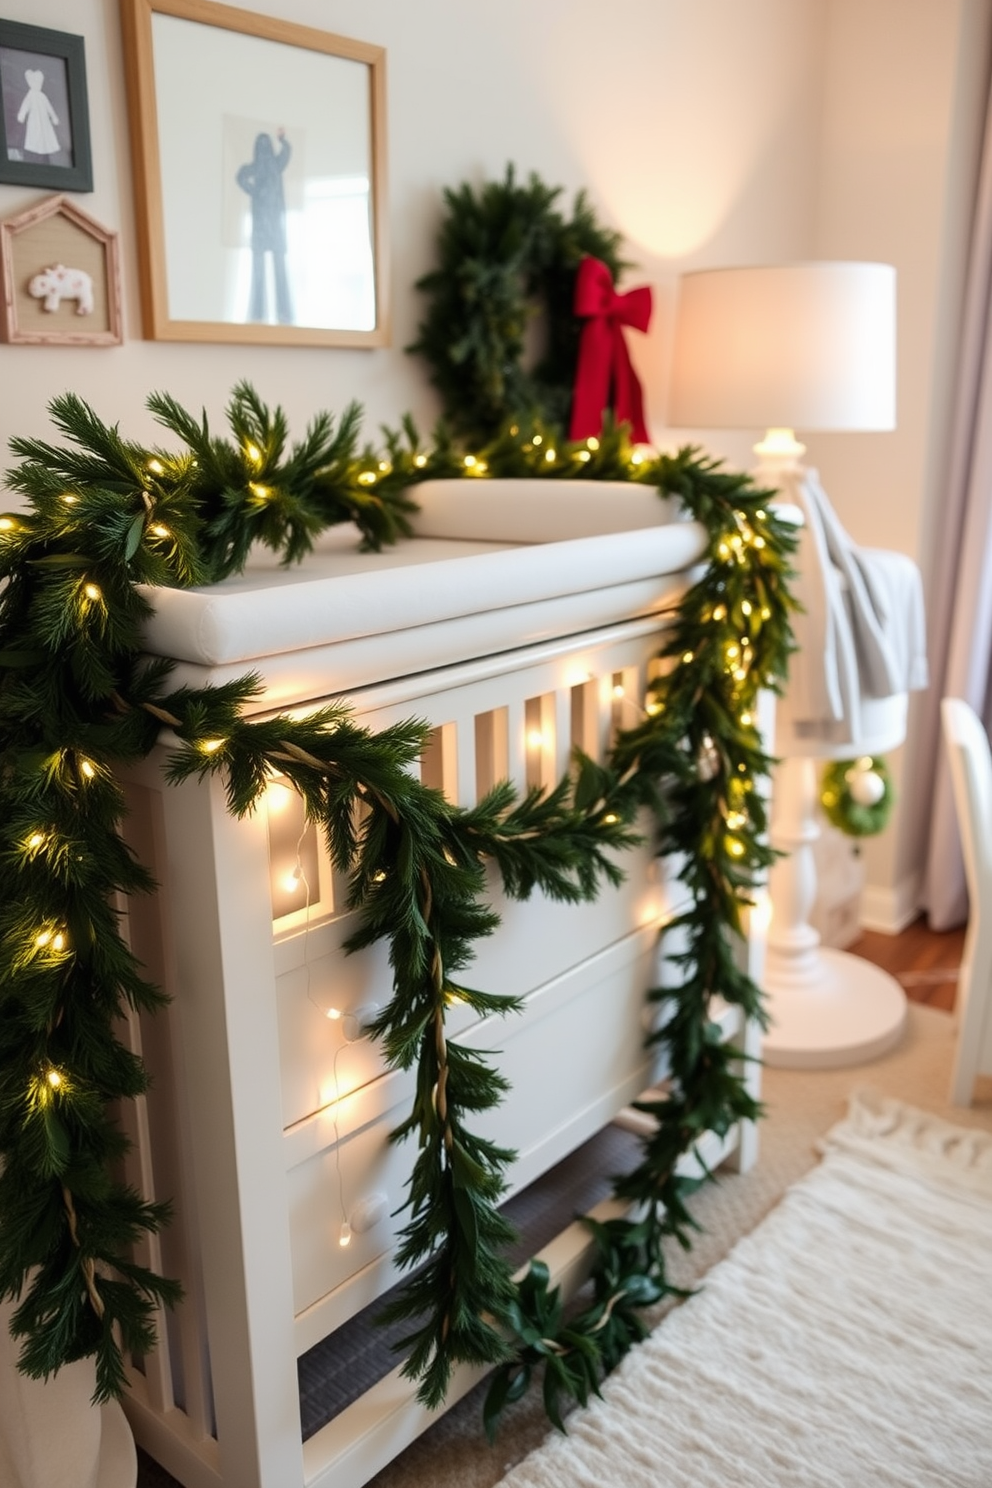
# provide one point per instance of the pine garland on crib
(107, 516)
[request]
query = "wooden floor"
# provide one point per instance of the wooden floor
(925, 962)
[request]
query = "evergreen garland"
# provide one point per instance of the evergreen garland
(505, 255)
(106, 516)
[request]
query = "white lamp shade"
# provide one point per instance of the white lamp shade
(802, 346)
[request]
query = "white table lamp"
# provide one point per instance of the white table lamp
(808, 346)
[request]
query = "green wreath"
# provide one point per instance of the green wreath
(505, 254)
(849, 795)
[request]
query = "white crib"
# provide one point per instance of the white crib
(269, 1110)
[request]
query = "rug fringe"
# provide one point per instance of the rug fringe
(902, 1133)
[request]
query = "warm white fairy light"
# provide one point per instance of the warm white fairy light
(583, 455)
(69, 498)
(687, 657)
(758, 541)
(469, 461)
(156, 467)
(746, 720)
(745, 607)
(49, 939)
(551, 456)
(593, 442)
(538, 439)
(420, 461)
(261, 492)
(211, 746)
(157, 530)
(253, 452)
(86, 769)
(385, 466)
(93, 592)
(611, 818)
(277, 796)
(7, 524)
(720, 612)
(367, 478)
(54, 1078)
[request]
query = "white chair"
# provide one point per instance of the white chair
(971, 778)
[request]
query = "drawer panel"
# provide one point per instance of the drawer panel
(574, 1058)
(536, 942)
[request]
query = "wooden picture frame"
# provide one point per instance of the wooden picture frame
(44, 112)
(260, 177)
(61, 278)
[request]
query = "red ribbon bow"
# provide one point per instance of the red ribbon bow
(604, 364)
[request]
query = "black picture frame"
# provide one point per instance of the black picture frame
(60, 118)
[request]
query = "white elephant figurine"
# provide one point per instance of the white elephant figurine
(58, 283)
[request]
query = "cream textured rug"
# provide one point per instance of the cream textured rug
(845, 1341)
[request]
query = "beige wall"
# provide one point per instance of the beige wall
(691, 122)
(710, 132)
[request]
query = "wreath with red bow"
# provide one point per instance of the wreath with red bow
(507, 271)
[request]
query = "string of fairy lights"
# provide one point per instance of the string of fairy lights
(104, 520)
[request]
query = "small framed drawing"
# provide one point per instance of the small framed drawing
(260, 177)
(44, 116)
(61, 278)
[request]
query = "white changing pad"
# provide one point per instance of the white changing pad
(479, 547)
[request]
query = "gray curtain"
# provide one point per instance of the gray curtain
(960, 643)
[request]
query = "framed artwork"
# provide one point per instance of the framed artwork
(60, 272)
(44, 115)
(260, 177)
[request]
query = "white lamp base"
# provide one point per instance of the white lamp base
(842, 1010)
(827, 1009)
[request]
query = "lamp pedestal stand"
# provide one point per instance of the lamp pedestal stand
(827, 1008)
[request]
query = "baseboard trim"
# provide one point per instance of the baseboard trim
(891, 910)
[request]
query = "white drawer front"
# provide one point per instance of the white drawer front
(537, 941)
(574, 1057)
